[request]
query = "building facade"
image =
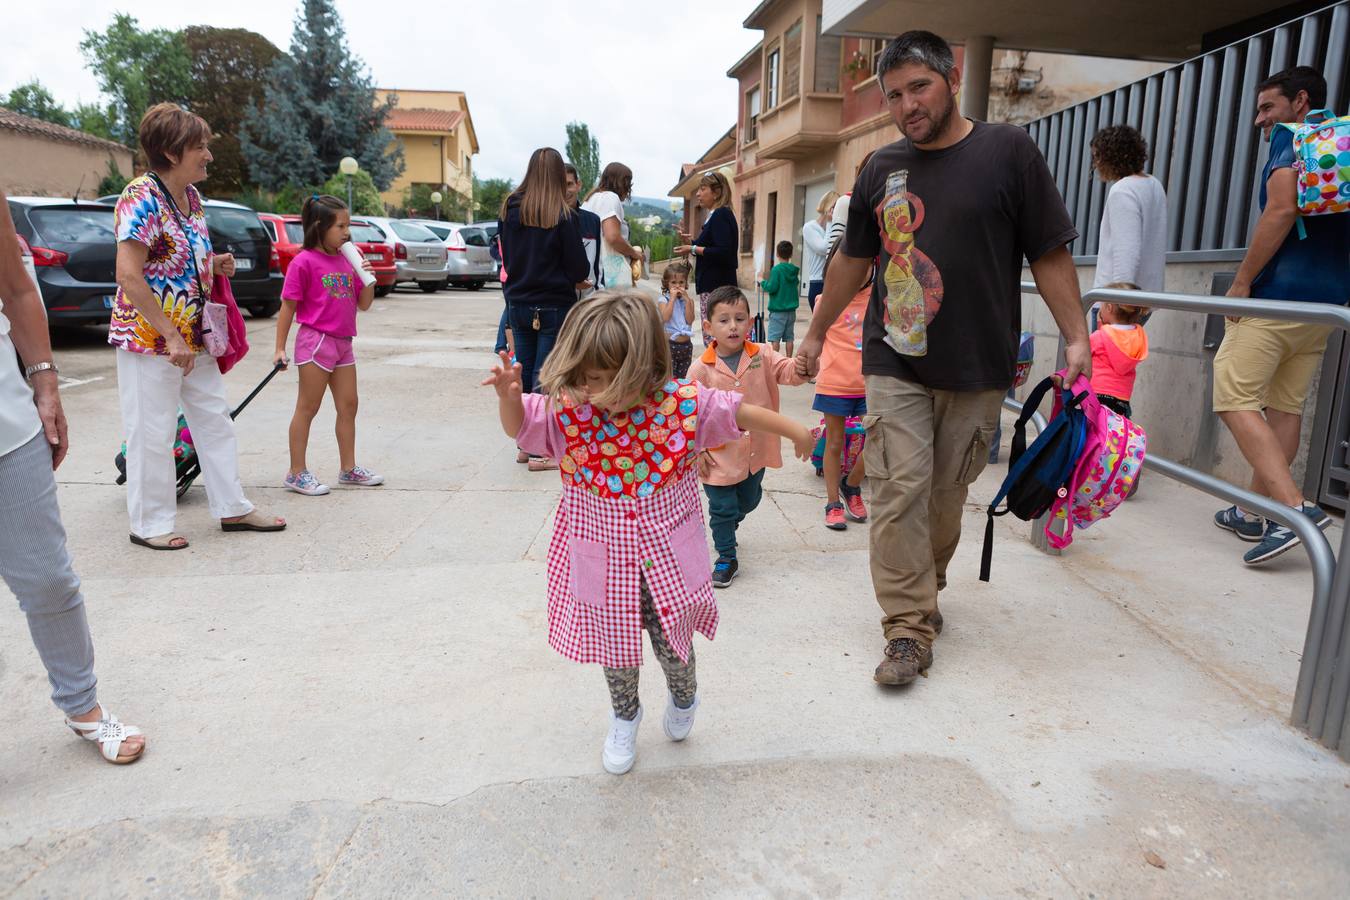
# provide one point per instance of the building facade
(45, 160)
(439, 143)
(810, 110)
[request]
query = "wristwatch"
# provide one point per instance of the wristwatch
(35, 368)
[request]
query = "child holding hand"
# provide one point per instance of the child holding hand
(733, 476)
(323, 292)
(840, 394)
(628, 550)
(677, 312)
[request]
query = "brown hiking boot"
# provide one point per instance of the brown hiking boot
(905, 660)
(935, 620)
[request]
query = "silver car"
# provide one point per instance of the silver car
(470, 263)
(418, 254)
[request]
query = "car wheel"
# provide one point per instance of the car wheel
(429, 287)
(384, 290)
(476, 285)
(265, 310)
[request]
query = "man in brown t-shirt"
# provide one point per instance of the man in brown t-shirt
(948, 212)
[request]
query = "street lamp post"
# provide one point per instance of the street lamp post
(349, 167)
(436, 202)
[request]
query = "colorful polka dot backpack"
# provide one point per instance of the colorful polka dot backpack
(1322, 160)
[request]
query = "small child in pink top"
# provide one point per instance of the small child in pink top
(629, 551)
(1119, 345)
(840, 395)
(323, 292)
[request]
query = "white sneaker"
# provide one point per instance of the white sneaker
(621, 743)
(678, 722)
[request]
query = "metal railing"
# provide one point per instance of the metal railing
(1197, 119)
(1322, 694)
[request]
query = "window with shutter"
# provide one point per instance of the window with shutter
(792, 60)
(829, 51)
(752, 115)
(747, 224)
(771, 78)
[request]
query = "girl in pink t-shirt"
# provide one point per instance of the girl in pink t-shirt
(323, 292)
(629, 551)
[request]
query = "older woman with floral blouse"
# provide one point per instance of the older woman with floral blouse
(164, 269)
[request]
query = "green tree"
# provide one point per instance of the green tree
(365, 196)
(319, 106)
(488, 196)
(33, 99)
(583, 151)
(417, 202)
(94, 119)
(135, 70)
(229, 74)
(114, 181)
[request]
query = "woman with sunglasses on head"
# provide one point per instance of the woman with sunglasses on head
(713, 252)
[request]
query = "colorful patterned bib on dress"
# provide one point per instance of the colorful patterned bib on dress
(635, 453)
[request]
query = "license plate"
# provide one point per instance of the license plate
(375, 257)
(427, 260)
(108, 302)
(243, 265)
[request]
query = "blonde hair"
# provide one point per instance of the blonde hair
(543, 193)
(718, 182)
(610, 330)
(826, 204)
(1128, 315)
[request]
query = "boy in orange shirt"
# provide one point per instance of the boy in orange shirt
(733, 474)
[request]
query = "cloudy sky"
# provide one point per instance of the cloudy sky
(649, 78)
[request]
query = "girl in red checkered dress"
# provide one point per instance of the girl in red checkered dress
(629, 549)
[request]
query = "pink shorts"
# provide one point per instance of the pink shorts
(324, 350)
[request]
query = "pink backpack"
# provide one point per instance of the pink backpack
(1112, 456)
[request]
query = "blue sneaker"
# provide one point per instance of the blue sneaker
(723, 571)
(1230, 519)
(1278, 538)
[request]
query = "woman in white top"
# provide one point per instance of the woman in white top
(816, 247)
(606, 201)
(1132, 242)
(33, 557)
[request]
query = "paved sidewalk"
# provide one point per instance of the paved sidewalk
(365, 704)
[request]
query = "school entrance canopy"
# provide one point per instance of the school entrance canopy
(1162, 30)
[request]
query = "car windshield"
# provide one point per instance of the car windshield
(236, 224)
(295, 233)
(474, 237)
(71, 225)
(366, 234)
(411, 231)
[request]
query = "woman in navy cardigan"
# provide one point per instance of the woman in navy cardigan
(715, 248)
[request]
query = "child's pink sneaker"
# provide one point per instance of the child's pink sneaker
(360, 476)
(834, 517)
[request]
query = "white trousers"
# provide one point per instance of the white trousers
(151, 390)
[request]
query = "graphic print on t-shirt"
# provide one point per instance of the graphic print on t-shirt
(338, 284)
(913, 284)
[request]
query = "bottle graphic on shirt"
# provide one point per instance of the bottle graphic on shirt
(906, 319)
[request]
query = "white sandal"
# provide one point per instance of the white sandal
(109, 734)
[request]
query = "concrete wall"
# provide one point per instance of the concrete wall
(1172, 394)
(38, 166)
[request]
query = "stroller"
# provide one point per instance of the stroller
(186, 464)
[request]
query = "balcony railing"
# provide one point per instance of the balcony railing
(801, 125)
(1197, 119)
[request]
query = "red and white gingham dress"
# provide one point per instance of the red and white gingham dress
(606, 537)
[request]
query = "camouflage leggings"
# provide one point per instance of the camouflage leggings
(623, 683)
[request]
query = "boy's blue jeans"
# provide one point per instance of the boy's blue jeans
(728, 505)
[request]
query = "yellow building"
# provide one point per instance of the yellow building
(439, 143)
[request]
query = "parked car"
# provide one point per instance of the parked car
(239, 230)
(419, 255)
(490, 228)
(257, 265)
(468, 261)
(26, 254)
(74, 253)
(368, 236)
(288, 238)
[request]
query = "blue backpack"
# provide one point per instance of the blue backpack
(1038, 475)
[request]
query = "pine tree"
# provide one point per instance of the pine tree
(583, 151)
(319, 106)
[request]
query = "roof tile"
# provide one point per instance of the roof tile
(12, 121)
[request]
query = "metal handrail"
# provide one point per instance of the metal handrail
(1319, 684)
